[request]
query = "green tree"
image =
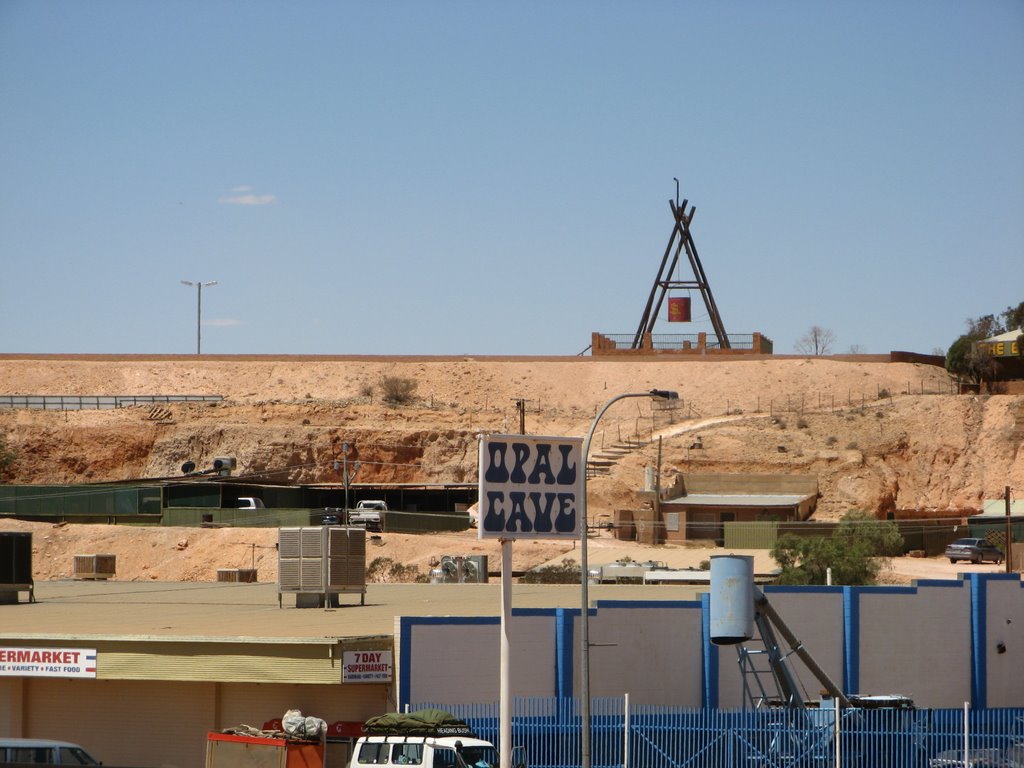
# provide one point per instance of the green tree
(984, 326)
(855, 552)
(966, 361)
(1013, 317)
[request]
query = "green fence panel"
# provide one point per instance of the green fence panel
(751, 535)
(397, 521)
(193, 495)
(194, 517)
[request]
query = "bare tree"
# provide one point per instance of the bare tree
(817, 341)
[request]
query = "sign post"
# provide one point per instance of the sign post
(530, 488)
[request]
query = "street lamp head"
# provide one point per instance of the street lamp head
(664, 394)
(187, 282)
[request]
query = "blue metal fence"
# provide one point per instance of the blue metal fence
(625, 736)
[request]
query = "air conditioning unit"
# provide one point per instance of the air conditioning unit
(458, 569)
(451, 569)
(319, 563)
(474, 569)
(95, 566)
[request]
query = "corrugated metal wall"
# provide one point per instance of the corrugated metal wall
(125, 722)
(81, 503)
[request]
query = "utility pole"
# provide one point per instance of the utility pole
(1009, 532)
(521, 407)
(346, 476)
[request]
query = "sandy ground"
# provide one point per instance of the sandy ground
(196, 554)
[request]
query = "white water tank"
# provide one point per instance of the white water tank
(732, 599)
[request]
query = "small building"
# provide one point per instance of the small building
(698, 506)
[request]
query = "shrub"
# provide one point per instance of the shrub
(855, 552)
(384, 569)
(831, 440)
(397, 390)
(566, 572)
(801, 423)
(883, 393)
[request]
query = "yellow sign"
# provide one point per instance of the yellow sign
(1001, 348)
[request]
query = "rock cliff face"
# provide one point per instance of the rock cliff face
(879, 436)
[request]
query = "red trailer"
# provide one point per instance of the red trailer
(229, 750)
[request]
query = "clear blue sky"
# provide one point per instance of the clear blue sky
(493, 178)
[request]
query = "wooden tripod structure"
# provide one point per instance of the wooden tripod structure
(679, 240)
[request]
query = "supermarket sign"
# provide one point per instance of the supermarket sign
(367, 667)
(530, 487)
(47, 662)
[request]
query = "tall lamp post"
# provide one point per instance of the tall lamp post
(658, 394)
(199, 307)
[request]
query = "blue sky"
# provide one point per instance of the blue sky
(493, 178)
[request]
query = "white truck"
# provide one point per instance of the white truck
(430, 738)
(368, 513)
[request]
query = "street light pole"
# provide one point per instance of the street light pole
(660, 394)
(199, 308)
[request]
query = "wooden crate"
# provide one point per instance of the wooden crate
(95, 566)
(237, 575)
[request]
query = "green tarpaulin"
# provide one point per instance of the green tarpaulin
(423, 722)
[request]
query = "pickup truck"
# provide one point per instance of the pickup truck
(428, 737)
(368, 513)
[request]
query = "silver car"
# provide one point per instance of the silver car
(43, 752)
(975, 550)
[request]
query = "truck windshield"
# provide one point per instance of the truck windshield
(471, 757)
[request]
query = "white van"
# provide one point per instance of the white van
(43, 752)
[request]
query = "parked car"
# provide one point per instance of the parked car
(43, 752)
(330, 515)
(975, 550)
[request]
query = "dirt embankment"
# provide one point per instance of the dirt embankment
(878, 436)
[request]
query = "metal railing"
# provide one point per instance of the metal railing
(96, 402)
(625, 736)
(682, 340)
